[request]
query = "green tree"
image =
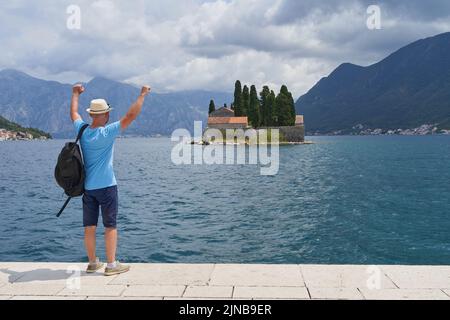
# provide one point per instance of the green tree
(212, 107)
(285, 108)
(290, 109)
(245, 101)
(237, 103)
(281, 103)
(264, 94)
(271, 109)
(253, 110)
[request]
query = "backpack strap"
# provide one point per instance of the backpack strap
(80, 133)
(64, 206)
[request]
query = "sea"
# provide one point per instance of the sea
(340, 200)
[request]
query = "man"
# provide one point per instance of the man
(97, 145)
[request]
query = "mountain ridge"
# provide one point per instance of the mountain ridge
(45, 104)
(408, 88)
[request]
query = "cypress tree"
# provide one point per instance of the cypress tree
(265, 93)
(285, 108)
(271, 109)
(237, 99)
(253, 111)
(212, 107)
(290, 108)
(245, 101)
(282, 105)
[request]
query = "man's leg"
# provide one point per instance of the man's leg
(90, 220)
(111, 244)
(110, 205)
(89, 242)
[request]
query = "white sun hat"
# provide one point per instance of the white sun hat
(99, 106)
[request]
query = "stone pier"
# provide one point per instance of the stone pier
(224, 281)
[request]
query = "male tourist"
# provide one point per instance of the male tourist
(97, 145)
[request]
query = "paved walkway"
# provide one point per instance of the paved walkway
(225, 281)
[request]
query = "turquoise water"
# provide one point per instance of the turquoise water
(381, 199)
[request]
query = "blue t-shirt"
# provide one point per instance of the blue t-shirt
(98, 148)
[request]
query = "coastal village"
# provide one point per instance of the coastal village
(18, 135)
(12, 131)
(361, 130)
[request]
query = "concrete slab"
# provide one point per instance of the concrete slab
(201, 298)
(404, 294)
(225, 281)
(257, 275)
(208, 292)
(344, 276)
(154, 291)
(335, 293)
(47, 298)
(271, 292)
(125, 298)
(419, 277)
(94, 290)
(166, 274)
(10, 272)
(33, 289)
(50, 273)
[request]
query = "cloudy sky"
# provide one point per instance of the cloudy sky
(192, 44)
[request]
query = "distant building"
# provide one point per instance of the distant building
(223, 118)
(299, 120)
(222, 112)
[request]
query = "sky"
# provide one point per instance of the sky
(176, 45)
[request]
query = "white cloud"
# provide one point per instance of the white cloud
(193, 44)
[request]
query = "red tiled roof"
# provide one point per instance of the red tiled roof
(228, 120)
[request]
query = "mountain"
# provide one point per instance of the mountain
(409, 88)
(45, 104)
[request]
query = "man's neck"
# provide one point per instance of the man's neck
(96, 124)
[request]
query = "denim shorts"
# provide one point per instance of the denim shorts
(107, 199)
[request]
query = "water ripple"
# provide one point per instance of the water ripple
(341, 200)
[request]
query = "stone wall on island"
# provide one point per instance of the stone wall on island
(290, 133)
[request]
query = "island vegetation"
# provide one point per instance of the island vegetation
(264, 110)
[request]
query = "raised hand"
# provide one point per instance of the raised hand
(145, 90)
(78, 89)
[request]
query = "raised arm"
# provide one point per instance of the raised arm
(135, 109)
(76, 91)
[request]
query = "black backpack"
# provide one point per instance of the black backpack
(69, 170)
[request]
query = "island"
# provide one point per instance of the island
(264, 112)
